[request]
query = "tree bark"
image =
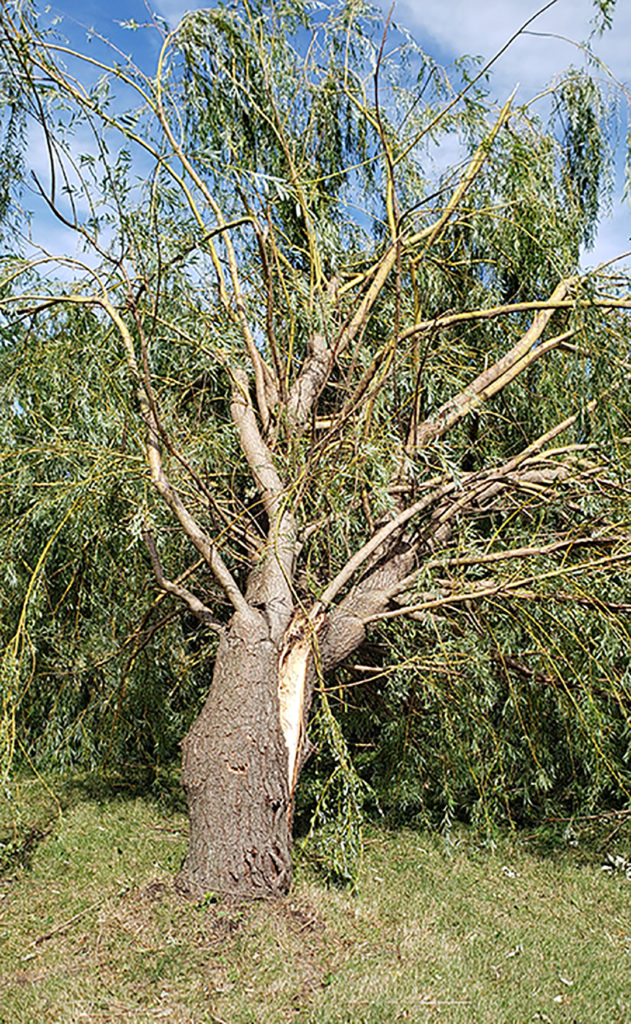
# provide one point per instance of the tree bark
(243, 754)
(242, 757)
(235, 773)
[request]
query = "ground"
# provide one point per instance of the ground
(441, 929)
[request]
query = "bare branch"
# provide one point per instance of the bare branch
(503, 587)
(257, 454)
(492, 379)
(363, 554)
(197, 607)
(271, 583)
(569, 543)
(189, 524)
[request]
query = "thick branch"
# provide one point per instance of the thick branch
(500, 588)
(270, 584)
(346, 624)
(495, 377)
(363, 554)
(368, 601)
(257, 454)
(309, 382)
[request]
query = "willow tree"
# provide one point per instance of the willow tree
(329, 380)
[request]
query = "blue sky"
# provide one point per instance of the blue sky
(446, 29)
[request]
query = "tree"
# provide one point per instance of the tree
(362, 391)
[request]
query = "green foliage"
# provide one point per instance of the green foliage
(263, 118)
(334, 839)
(12, 144)
(603, 18)
(106, 674)
(584, 146)
(510, 714)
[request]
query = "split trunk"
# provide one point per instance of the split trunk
(241, 762)
(243, 755)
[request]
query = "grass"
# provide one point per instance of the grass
(91, 929)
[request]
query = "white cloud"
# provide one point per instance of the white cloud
(174, 10)
(482, 28)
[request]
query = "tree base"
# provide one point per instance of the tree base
(236, 775)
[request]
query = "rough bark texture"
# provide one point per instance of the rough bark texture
(243, 755)
(235, 773)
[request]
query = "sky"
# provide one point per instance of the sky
(447, 29)
(547, 47)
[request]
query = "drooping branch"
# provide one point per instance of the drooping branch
(201, 541)
(508, 662)
(191, 527)
(494, 312)
(198, 608)
(429, 235)
(266, 385)
(567, 544)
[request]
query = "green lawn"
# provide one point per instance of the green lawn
(92, 930)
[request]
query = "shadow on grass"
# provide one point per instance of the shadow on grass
(32, 805)
(161, 786)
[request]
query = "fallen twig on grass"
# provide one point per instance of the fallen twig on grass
(66, 924)
(76, 917)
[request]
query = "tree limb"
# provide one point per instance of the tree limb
(499, 589)
(493, 378)
(197, 607)
(271, 582)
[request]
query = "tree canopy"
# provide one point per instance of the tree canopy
(301, 362)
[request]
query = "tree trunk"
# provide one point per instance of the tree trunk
(242, 758)
(243, 754)
(236, 773)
